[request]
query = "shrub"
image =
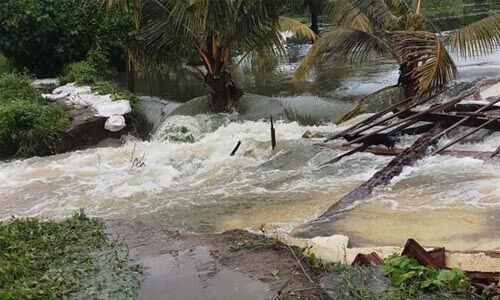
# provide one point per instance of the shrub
(30, 128)
(81, 73)
(45, 35)
(94, 69)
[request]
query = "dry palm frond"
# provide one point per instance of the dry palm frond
(356, 110)
(287, 24)
(430, 65)
(478, 38)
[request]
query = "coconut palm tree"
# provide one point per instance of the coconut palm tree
(206, 36)
(398, 29)
(314, 7)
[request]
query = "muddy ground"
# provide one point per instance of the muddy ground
(235, 265)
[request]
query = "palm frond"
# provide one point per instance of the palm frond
(356, 110)
(351, 44)
(287, 24)
(360, 14)
(424, 54)
(478, 38)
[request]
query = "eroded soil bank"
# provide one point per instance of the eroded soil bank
(233, 265)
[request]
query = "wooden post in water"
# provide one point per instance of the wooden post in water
(273, 134)
(236, 148)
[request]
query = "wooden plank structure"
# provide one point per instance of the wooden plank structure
(434, 122)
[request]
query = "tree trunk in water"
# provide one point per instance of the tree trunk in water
(406, 81)
(130, 73)
(407, 158)
(314, 21)
(222, 90)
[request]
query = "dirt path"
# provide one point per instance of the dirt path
(234, 265)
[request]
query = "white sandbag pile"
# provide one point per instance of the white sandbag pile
(102, 105)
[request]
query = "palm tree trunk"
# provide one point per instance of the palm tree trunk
(130, 73)
(313, 9)
(314, 21)
(406, 81)
(222, 90)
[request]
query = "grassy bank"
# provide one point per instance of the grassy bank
(72, 259)
(28, 125)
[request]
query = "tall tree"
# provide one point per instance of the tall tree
(131, 46)
(206, 36)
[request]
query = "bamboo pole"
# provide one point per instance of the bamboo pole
(465, 136)
(465, 119)
(375, 117)
(406, 120)
(410, 107)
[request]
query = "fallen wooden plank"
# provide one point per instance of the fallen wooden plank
(384, 176)
(382, 151)
(449, 120)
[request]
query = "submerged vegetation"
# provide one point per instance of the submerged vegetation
(72, 259)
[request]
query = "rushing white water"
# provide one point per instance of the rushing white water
(197, 186)
(189, 181)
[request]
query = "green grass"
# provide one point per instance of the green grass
(15, 87)
(28, 125)
(72, 259)
(5, 65)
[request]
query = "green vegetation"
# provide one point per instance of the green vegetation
(45, 35)
(407, 273)
(28, 126)
(212, 33)
(94, 69)
(5, 65)
(72, 259)
(407, 281)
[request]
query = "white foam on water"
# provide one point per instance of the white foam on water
(103, 182)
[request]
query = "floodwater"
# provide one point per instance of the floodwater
(196, 275)
(197, 187)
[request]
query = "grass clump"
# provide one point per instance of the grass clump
(72, 259)
(28, 126)
(400, 278)
(15, 87)
(5, 65)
